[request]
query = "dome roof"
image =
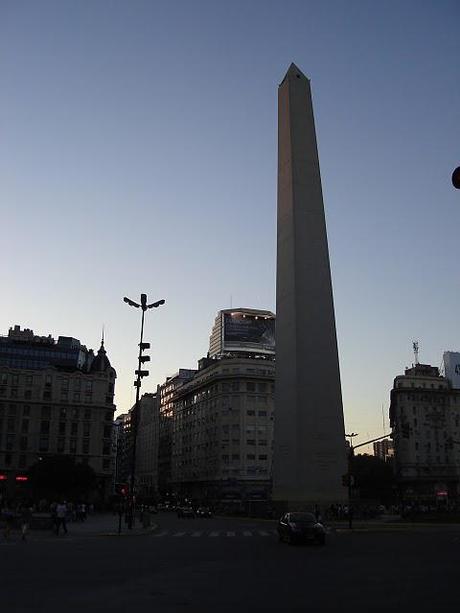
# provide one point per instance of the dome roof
(101, 362)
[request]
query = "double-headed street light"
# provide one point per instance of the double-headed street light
(140, 374)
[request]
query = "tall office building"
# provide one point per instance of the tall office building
(243, 331)
(425, 421)
(309, 457)
(55, 398)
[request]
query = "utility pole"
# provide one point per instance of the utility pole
(140, 374)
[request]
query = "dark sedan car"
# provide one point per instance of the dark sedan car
(203, 512)
(301, 527)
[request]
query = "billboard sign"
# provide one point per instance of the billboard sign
(249, 333)
(452, 368)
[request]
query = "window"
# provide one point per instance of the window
(250, 412)
(4, 379)
(9, 441)
(25, 425)
(11, 424)
(7, 459)
(76, 396)
(60, 445)
(62, 427)
(27, 394)
(263, 442)
(105, 464)
(235, 456)
(85, 446)
(15, 380)
(86, 429)
(74, 413)
(23, 443)
(46, 412)
(250, 386)
(106, 449)
(26, 410)
(262, 457)
(45, 427)
(74, 429)
(87, 414)
(43, 443)
(62, 412)
(73, 445)
(22, 461)
(14, 392)
(250, 441)
(262, 413)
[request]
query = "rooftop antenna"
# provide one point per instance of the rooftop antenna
(415, 347)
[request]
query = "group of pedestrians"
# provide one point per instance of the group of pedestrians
(20, 514)
(10, 516)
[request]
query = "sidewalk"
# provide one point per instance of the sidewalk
(96, 525)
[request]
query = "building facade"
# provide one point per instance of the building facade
(248, 331)
(166, 399)
(384, 450)
(425, 421)
(147, 445)
(55, 398)
(223, 433)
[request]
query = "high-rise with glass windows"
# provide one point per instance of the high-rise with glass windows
(55, 398)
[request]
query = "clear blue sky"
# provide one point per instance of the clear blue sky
(138, 153)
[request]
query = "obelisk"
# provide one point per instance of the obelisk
(309, 436)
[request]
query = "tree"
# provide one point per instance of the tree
(374, 478)
(60, 476)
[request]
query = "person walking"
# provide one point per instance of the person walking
(26, 516)
(61, 517)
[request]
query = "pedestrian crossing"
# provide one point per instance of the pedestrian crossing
(214, 533)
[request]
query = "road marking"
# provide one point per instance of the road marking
(163, 533)
(179, 534)
(247, 533)
(213, 534)
(230, 533)
(274, 532)
(264, 533)
(197, 533)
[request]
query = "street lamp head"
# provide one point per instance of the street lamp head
(131, 302)
(156, 304)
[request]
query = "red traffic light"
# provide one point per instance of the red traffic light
(22, 478)
(3, 477)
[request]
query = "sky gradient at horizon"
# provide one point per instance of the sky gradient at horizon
(138, 152)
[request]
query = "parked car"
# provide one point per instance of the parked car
(186, 512)
(301, 527)
(203, 512)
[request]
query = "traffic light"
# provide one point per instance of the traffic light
(122, 489)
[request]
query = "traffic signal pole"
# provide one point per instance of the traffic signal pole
(351, 456)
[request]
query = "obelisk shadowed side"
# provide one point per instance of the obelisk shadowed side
(309, 439)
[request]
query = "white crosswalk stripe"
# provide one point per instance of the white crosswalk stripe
(163, 533)
(247, 533)
(264, 533)
(197, 533)
(213, 534)
(231, 533)
(179, 534)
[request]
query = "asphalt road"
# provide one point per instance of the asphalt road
(231, 565)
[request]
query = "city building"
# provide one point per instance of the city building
(384, 450)
(55, 398)
(120, 463)
(223, 432)
(166, 397)
(310, 455)
(236, 331)
(425, 421)
(147, 444)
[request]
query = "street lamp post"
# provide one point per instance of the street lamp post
(140, 374)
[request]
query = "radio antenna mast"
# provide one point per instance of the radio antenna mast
(415, 347)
